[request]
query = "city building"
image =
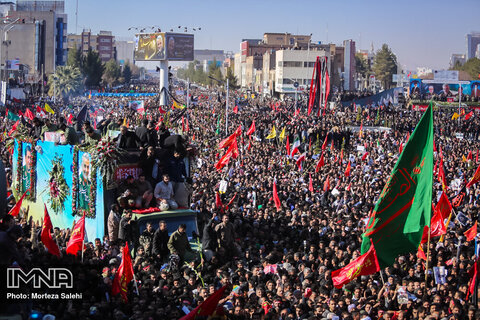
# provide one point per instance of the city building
(296, 66)
(27, 9)
(124, 50)
(349, 64)
(103, 43)
(457, 58)
(473, 40)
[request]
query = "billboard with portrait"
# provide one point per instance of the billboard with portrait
(179, 46)
(150, 47)
(431, 87)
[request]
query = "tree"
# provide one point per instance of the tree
(112, 72)
(232, 80)
(215, 72)
(65, 81)
(385, 65)
(74, 58)
(361, 65)
(472, 67)
(127, 73)
(92, 69)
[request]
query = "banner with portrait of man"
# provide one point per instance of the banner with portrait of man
(27, 164)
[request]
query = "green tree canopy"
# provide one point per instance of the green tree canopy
(65, 81)
(472, 67)
(74, 58)
(127, 73)
(385, 65)
(93, 69)
(112, 73)
(361, 65)
(232, 80)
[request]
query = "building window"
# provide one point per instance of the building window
(288, 81)
(308, 64)
(292, 64)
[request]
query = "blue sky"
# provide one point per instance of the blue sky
(421, 33)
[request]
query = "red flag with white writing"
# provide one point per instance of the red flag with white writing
(472, 232)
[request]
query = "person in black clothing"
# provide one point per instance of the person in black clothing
(126, 139)
(209, 238)
(142, 134)
(36, 131)
(152, 135)
(160, 241)
(125, 231)
(150, 164)
(163, 134)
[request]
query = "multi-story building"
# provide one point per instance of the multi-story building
(296, 66)
(124, 51)
(103, 43)
(32, 9)
(473, 40)
(349, 65)
(457, 58)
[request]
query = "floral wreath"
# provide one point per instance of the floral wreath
(59, 189)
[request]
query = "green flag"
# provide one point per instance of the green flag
(12, 116)
(404, 207)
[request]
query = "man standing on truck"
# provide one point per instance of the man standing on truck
(160, 241)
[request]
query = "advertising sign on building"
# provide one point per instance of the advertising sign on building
(445, 75)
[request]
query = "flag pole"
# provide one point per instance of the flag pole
(83, 246)
(136, 285)
(446, 224)
(428, 256)
(383, 282)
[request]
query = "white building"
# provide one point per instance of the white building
(295, 66)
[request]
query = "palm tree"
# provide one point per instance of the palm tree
(65, 81)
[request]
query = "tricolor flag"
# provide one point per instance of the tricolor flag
(295, 146)
(137, 105)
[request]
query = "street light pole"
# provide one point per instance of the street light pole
(5, 29)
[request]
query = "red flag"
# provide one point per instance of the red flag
(310, 183)
(300, 160)
(223, 160)
(400, 149)
(326, 185)
(475, 178)
(421, 253)
(310, 144)
(320, 163)
(161, 111)
(231, 200)
(364, 265)
(183, 124)
(218, 202)
(434, 146)
(437, 227)
(29, 114)
(288, 146)
(324, 145)
(252, 128)
(46, 236)
(441, 174)
(472, 232)
(444, 206)
(234, 149)
(473, 276)
(364, 156)
(69, 119)
(225, 143)
(470, 155)
(469, 115)
(349, 187)
(327, 86)
(14, 127)
(276, 200)
(235, 109)
(207, 307)
(75, 243)
(238, 131)
(124, 275)
(347, 171)
(16, 209)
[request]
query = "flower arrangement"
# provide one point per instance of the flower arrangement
(105, 156)
(58, 188)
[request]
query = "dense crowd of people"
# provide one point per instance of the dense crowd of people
(276, 264)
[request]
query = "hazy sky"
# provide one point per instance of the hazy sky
(421, 33)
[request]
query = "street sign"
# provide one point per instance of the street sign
(295, 84)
